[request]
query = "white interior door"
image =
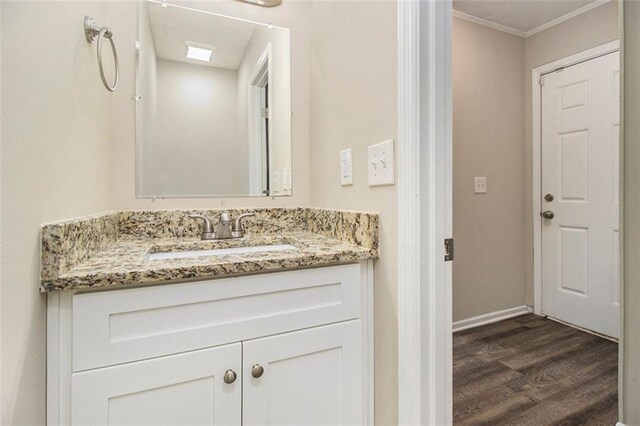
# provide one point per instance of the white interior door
(580, 170)
(308, 377)
(183, 389)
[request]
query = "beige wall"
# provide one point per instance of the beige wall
(292, 15)
(590, 29)
(353, 103)
(488, 134)
(630, 384)
(56, 134)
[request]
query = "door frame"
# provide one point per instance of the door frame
(259, 77)
(425, 358)
(536, 123)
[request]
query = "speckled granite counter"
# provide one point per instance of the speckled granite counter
(113, 249)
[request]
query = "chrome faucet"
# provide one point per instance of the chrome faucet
(224, 229)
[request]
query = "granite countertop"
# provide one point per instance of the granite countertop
(126, 262)
(113, 249)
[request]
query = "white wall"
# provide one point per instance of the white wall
(353, 103)
(488, 135)
(56, 135)
(292, 15)
(194, 147)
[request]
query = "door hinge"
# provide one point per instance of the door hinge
(448, 249)
(265, 113)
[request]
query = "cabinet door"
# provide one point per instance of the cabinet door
(312, 376)
(180, 389)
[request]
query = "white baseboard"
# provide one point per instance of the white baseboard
(620, 424)
(491, 317)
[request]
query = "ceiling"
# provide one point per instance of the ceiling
(172, 27)
(523, 17)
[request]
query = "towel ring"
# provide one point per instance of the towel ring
(93, 32)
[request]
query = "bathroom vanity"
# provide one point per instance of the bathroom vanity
(247, 336)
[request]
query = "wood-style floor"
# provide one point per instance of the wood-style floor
(533, 371)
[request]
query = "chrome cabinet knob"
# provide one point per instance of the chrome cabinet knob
(229, 376)
(547, 214)
(257, 370)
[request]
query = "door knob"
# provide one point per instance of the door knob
(257, 371)
(547, 214)
(548, 198)
(229, 376)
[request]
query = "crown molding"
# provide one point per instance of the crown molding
(525, 34)
(487, 23)
(566, 17)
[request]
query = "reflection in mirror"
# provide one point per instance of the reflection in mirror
(213, 105)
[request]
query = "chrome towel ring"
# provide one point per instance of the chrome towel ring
(93, 32)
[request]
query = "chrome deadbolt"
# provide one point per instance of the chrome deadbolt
(548, 198)
(229, 376)
(257, 371)
(548, 214)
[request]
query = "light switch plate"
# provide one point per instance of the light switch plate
(480, 184)
(381, 160)
(346, 168)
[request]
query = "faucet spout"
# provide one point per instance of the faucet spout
(223, 229)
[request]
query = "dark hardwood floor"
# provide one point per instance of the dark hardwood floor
(533, 371)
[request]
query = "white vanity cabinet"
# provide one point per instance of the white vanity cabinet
(278, 348)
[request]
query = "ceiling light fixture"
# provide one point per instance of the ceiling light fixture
(199, 53)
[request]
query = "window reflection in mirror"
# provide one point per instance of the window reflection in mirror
(213, 108)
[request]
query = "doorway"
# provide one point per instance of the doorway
(512, 361)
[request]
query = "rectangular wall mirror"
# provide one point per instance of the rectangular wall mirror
(213, 105)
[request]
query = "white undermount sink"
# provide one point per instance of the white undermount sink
(220, 252)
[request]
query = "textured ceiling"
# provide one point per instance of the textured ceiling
(173, 27)
(521, 15)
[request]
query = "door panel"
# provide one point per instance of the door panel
(311, 377)
(174, 390)
(581, 168)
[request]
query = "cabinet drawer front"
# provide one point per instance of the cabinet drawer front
(178, 389)
(114, 327)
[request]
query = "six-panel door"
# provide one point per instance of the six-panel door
(307, 377)
(580, 185)
(183, 389)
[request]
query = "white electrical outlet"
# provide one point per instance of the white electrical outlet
(480, 184)
(381, 161)
(346, 168)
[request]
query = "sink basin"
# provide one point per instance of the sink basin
(220, 252)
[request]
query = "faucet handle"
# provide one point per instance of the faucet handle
(237, 225)
(207, 230)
